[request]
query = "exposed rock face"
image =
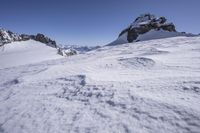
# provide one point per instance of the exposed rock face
(7, 36)
(144, 24)
(42, 38)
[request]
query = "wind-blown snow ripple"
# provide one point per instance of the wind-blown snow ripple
(137, 62)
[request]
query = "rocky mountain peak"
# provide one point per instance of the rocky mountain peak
(144, 24)
(144, 17)
(7, 36)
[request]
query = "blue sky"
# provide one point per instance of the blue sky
(92, 22)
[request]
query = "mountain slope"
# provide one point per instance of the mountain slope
(151, 86)
(25, 52)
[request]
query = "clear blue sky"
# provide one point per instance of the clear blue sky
(92, 22)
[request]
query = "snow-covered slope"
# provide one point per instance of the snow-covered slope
(25, 52)
(153, 34)
(145, 87)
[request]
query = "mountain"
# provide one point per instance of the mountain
(41, 38)
(149, 87)
(7, 36)
(147, 27)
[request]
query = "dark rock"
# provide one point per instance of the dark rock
(132, 35)
(43, 39)
(25, 37)
(168, 27)
(162, 20)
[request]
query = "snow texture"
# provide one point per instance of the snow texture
(144, 87)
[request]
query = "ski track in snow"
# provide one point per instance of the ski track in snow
(147, 87)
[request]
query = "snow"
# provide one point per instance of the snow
(143, 87)
(26, 52)
(154, 34)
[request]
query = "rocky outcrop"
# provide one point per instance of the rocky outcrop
(41, 38)
(143, 24)
(7, 36)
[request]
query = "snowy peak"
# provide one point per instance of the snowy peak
(7, 36)
(154, 27)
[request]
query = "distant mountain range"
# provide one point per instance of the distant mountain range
(7, 36)
(144, 27)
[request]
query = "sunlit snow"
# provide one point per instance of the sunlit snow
(150, 86)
